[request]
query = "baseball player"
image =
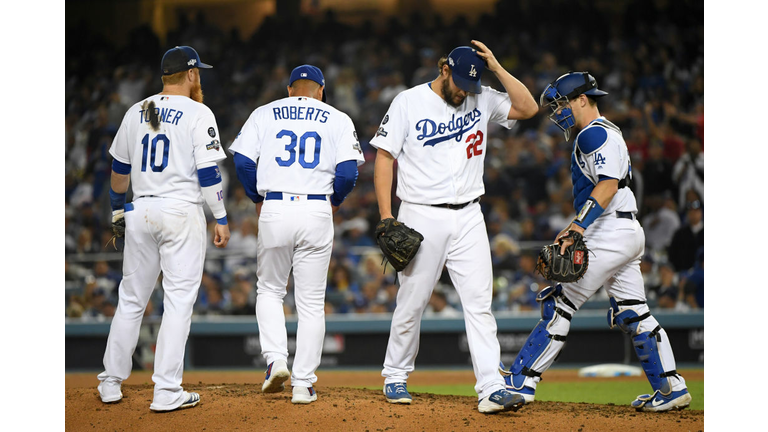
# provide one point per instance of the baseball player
(437, 131)
(167, 148)
(297, 158)
(606, 207)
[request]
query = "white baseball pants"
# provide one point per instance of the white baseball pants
(456, 239)
(294, 234)
(616, 246)
(168, 235)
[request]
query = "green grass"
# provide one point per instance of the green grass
(597, 392)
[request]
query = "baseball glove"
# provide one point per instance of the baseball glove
(398, 242)
(118, 227)
(118, 223)
(569, 267)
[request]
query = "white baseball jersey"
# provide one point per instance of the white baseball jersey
(599, 150)
(164, 161)
(440, 149)
(297, 143)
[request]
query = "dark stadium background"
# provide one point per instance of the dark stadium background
(649, 55)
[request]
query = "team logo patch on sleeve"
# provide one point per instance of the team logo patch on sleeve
(214, 145)
(212, 132)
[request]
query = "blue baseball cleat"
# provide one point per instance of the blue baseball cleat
(500, 400)
(657, 402)
(397, 393)
(526, 392)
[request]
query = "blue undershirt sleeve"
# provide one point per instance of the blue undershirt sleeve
(246, 173)
(344, 182)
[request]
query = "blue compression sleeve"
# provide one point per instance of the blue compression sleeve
(120, 168)
(246, 173)
(209, 176)
(344, 182)
(116, 200)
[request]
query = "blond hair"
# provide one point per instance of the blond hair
(442, 62)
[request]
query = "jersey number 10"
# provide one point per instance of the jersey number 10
(291, 149)
(145, 149)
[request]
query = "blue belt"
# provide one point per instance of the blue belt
(625, 215)
(279, 196)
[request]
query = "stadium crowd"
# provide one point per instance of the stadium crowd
(650, 61)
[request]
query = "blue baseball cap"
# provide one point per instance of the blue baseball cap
(181, 58)
(467, 68)
(312, 73)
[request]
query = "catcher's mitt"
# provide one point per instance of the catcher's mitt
(564, 268)
(398, 242)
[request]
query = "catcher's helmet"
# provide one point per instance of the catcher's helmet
(560, 92)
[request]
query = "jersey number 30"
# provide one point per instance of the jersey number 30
(291, 149)
(145, 150)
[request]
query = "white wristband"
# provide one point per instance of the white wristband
(214, 197)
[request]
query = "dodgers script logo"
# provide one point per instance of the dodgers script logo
(457, 125)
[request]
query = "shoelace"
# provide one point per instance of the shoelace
(400, 388)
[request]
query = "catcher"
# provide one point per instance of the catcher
(606, 222)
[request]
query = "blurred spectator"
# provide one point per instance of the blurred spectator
(661, 223)
(658, 171)
(525, 284)
(210, 299)
(688, 238)
(688, 172)
(107, 279)
(504, 253)
(242, 295)
(666, 292)
(439, 307)
(693, 282)
(651, 276)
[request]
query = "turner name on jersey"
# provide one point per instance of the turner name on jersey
(165, 150)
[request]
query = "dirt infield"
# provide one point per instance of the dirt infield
(233, 401)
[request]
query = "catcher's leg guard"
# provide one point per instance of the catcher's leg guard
(543, 345)
(651, 346)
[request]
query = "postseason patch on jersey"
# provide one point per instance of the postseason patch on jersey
(214, 145)
(381, 132)
(386, 119)
(356, 145)
(212, 132)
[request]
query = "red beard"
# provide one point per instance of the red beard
(197, 93)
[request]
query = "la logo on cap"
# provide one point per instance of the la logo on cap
(473, 72)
